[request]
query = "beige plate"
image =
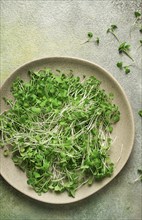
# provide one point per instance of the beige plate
(123, 130)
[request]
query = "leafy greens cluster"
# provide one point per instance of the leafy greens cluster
(58, 130)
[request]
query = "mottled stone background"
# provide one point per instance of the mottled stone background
(33, 29)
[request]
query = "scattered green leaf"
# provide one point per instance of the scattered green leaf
(97, 40)
(140, 175)
(140, 113)
(126, 69)
(125, 48)
(137, 14)
(90, 35)
(112, 30)
(6, 153)
(122, 67)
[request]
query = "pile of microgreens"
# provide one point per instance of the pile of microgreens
(58, 130)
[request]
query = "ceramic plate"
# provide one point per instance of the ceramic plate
(123, 130)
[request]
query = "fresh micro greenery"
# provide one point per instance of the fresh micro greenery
(140, 113)
(122, 67)
(138, 21)
(125, 48)
(90, 37)
(139, 171)
(140, 43)
(140, 174)
(112, 31)
(58, 130)
(138, 17)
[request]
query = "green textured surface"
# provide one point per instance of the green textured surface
(38, 28)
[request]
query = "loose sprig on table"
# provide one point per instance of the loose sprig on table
(140, 41)
(139, 171)
(90, 37)
(140, 113)
(138, 17)
(112, 31)
(137, 23)
(125, 48)
(58, 130)
(122, 67)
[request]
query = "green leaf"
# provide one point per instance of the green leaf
(113, 27)
(124, 47)
(6, 153)
(140, 171)
(91, 180)
(127, 69)
(36, 110)
(137, 14)
(90, 35)
(58, 188)
(140, 113)
(42, 104)
(72, 193)
(120, 65)
(36, 175)
(97, 40)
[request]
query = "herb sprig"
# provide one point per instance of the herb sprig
(112, 31)
(125, 48)
(137, 23)
(122, 67)
(90, 36)
(140, 113)
(140, 175)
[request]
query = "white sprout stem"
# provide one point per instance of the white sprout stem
(120, 154)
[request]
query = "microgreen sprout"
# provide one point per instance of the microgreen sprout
(140, 113)
(140, 175)
(137, 15)
(122, 67)
(140, 41)
(125, 48)
(137, 22)
(126, 69)
(97, 41)
(90, 36)
(58, 130)
(112, 30)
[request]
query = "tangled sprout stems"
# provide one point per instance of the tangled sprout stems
(58, 130)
